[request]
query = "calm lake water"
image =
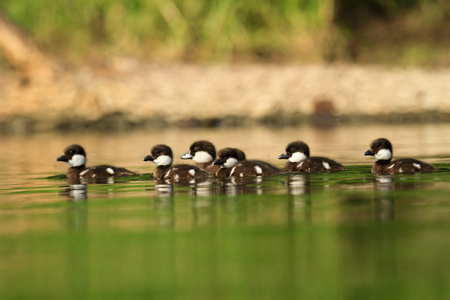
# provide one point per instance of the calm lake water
(349, 235)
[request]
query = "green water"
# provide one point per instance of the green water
(349, 235)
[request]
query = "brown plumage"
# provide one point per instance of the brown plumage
(228, 159)
(203, 153)
(162, 156)
(382, 150)
(299, 160)
(75, 156)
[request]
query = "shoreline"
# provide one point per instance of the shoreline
(134, 95)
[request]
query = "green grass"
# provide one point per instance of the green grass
(211, 30)
(226, 30)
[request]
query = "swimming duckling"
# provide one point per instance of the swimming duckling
(299, 160)
(75, 156)
(162, 156)
(228, 159)
(382, 150)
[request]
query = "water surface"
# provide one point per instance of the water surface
(349, 235)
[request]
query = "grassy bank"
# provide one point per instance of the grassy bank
(404, 31)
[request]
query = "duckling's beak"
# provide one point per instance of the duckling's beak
(187, 155)
(62, 158)
(369, 152)
(148, 158)
(283, 156)
(219, 162)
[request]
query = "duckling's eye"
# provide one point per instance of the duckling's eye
(292, 149)
(195, 148)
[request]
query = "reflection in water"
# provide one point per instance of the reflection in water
(384, 183)
(203, 188)
(234, 186)
(204, 211)
(77, 216)
(385, 187)
(298, 184)
(75, 192)
(299, 208)
(164, 206)
(384, 197)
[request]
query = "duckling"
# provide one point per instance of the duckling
(75, 156)
(299, 160)
(228, 159)
(382, 150)
(162, 156)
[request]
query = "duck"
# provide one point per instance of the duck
(162, 156)
(299, 160)
(75, 156)
(203, 153)
(229, 159)
(382, 150)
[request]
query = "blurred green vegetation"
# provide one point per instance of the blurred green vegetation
(370, 31)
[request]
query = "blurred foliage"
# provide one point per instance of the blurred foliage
(233, 30)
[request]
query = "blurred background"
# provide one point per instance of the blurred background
(121, 64)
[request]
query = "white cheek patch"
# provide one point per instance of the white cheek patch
(297, 157)
(110, 171)
(77, 160)
(383, 154)
(163, 160)
(230, 162)
(258, 170)
(191, 172)
(202, 157)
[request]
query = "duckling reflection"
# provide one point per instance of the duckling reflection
(203, 188)
(384, 183)
(384, 198)
(204, 212)
(164, 189)
(77, 215)
(233, 186)
(75, 192)
(164, 205)
(298, 186)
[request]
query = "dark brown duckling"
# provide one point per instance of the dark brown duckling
(75, 156)
(162, 156)
(228, 159)
(299, 160)
(382, 150)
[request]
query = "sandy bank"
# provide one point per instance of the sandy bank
(132, 94)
